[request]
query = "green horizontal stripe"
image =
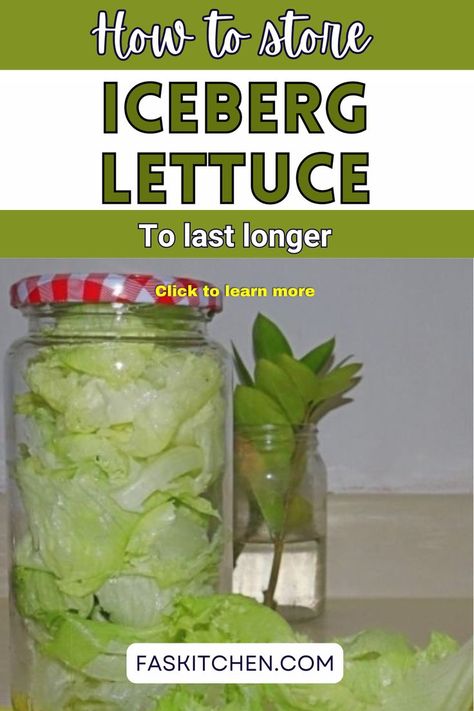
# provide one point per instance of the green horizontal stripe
(113, 233)
(407, 34)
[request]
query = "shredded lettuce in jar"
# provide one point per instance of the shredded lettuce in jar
(122, 444)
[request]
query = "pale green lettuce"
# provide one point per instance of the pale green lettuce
(120, 444)
(227, 618)
(445, 683)
(59, 688)
(84, 663)
(79, 531)
(116, 362)
(135, 600)
(37, 592)
(171, 544)
(159, 474)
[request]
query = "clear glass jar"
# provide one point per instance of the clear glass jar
(280, 519)
(120, 501)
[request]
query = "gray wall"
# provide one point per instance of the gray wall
(409, 321)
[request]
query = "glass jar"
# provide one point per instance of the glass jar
(280, 519)
(120, 501)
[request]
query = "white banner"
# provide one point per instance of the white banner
(417, 134)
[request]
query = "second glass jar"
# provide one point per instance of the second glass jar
(280, 519)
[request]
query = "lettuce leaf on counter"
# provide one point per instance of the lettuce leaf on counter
(445, 683)
(82, 667)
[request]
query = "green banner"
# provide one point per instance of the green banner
(405, 35)
(223, 234)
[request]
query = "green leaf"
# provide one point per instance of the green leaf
(343, 362)
(273, 380)
(337, 382)
(265, 471)
(271, 501)
(265, 468)
(300, 514)
(326, 406)
(352, 369)
(268, 340)
(301, 377)
(317, 358)
(253, 407)
(244, 375)
(254, 473)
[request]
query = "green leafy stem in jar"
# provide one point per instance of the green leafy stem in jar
(288, 394)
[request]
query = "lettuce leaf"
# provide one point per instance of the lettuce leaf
(116, 362)
(171, 543)
(205, 430)
(227, 618)
(374, 660)
(134, 600)
(78, 642)
(444, 684)
(37, 592)
(80, 532)
(158, 474)
(78, 449)
(56, 687)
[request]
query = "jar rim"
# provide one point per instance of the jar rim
(280, 431)
(114, 288)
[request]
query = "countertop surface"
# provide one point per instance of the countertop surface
(416, 618)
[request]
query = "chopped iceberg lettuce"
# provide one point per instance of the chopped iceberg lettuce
(379, 658)
(134, 600)
(77, 449)
(37, 592)
(444, 683)
(158, 474)
(80, 532)
(56, 687)
(227, 618)
(116, 362)
(82, 665)
(171, 544)
(119, 520)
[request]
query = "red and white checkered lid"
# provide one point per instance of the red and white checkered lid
(102, 288)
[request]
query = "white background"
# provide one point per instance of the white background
(419, 138)
(409, 428)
